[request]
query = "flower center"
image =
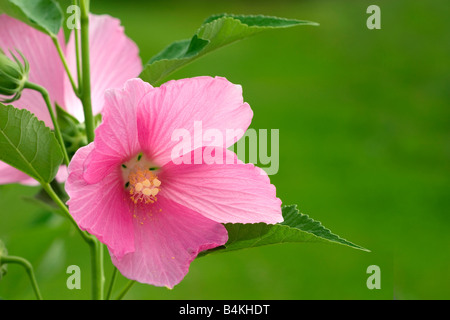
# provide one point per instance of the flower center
(142, 182)
(144, 185)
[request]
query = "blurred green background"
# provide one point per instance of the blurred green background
(364, 148)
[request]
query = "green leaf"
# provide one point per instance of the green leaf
(44, 15)
(65, 119)
(296, 227)
(217, 31)
(28, 145)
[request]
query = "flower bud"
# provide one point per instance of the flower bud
(13, 76)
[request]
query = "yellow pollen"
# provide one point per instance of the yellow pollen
(154, 191)
(147, 192)
(146, 183)
(142, 184)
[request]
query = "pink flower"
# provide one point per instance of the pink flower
(114, 59)
(155, 215)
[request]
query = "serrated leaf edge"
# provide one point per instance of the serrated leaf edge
(30, 116)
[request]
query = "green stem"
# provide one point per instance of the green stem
(125, 289)
(46, 97)
(59, 190)
(97, 270)
(85, 97)
(28, 268)
(111, 284)
(96, 248)
(77, 49)
(86, 79)
(66, 66)
(87, 237)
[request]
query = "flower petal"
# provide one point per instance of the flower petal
(114, 58)
(46, 68)
(10, 174)
(229, 192)
(215, 104)
(168, 238)
(116, 139)
(102, 208)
